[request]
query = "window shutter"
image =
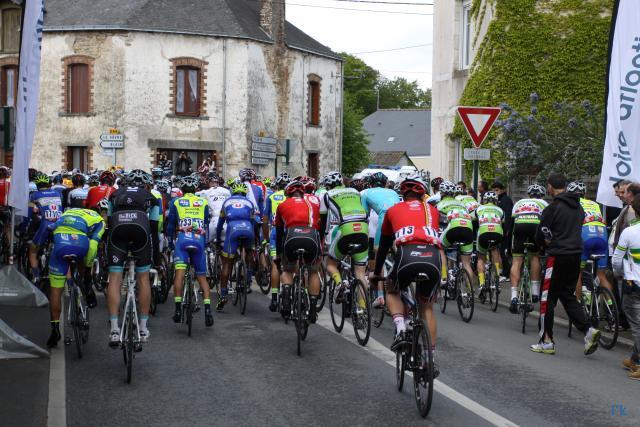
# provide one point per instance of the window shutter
(11, 29)
(79, 88)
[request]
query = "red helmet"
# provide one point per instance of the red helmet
(107, 177)
(413, 185)
(293, 187)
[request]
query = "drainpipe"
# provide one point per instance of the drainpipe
(224, 107)
(304, 104)
(339, 148)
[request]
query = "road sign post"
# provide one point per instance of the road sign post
(478, 122)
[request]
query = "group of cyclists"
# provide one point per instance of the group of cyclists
(412, 225)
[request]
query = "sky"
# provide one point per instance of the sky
(359, 30)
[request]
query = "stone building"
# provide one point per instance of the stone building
(205, 76)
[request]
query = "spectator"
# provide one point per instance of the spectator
(506, 204)
(471, 192)
(560, 231)
(625, 265)
(463, 185)
(483, 187)
(183, 165)
(165, 164)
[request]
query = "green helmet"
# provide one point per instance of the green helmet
(42, 180)
(239, 188)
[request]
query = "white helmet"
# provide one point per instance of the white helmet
(333, 179)
(447, 188)
(577, 187)
(536, 190)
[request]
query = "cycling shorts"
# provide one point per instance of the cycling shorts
(595, 242)
(190, 249)
(524, 234)
(272, 242)
(306, 238)
(486, 239)
(236, 231)
(350, 233)
(372, 249)
(456, 234)
(43, 233)
(130, 232)
(410, 261)
(65, 245)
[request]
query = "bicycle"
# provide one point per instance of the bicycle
(599, 305)
(379, 313)
(78, 311)
(299, 313)
(350, 305)
(458, 286)
(525, 299)
(492, 280)
(213, 265)
(99, 273)
(189, 295)
(240, 278)
(324, 283)
(130, 341)
(263, 276)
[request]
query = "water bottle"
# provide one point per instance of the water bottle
(586, 295)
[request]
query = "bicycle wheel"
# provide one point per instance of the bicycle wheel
(189, 305)
(129, 344)
(236, 282)
(465, 295)
(442, 297)
(606, 317)
(297, 311)
(360, 312)
(323, 288)
(336, 310)
(264, 276)
(401, 362)
(524, 297)
(377, 314)
(74, 319)
(494, 287)
(422, 367)
(243, 286)
(155, 296)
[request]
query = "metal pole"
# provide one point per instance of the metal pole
(224, 107)
(12, 234)
(378, 100)
(475, 178)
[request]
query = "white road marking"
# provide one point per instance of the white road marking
(385, 354)
(57, 406)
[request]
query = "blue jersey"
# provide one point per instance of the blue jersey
(46, 203)
(256, 197)
(379, 199)
(236, 208)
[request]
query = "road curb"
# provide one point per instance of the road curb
(57, 406)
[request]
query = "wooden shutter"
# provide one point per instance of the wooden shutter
(314, 103)
(78, 88)
(313, 165)
(11, 29)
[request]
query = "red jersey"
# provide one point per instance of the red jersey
(299, 212)
(412, 222)
(98, 193)
(4, 191)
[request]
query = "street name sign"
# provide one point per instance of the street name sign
(477, 154)
(478, 122)
(263, 155)
(257, 146)
(112, 140)
(263, 149)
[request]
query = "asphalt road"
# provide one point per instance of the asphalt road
(245, 371)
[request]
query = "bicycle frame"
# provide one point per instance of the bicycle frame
(130, 303)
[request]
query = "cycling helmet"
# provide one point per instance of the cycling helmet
(447, 188)
(5, 172)
(156, 173)
(490, 197)
(378, 179)
(435, 183)
(57, 178)
(107, 178)
(230, 182)
(267, 181)
(213, 176)
(459, 190)
(41, 179)
(103, 205)
(78, 180)
(138, 177)
(93, 180)
(293, 187)
(282, 180)
(536, 190)
(333, 179)
(413, 184)
(238, 188)
(577, 187)
(247, 174)
(189, 184)
(396, 187)
(310, 186)
(162, 185)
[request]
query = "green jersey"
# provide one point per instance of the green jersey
(453, 213)
(528, 211)
(490, 218)
(343, 204)
(592, 213)
(469, 202)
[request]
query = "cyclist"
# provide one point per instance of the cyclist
(458, 223)
(297, 224)
(412, 225)
(468, 201)
(93, 180)
(45, 208)
(189, 219)
(268, 183)
(489, 218)
(156, 173)
(342, 205)
(435, 187)
(273, 201)
(57, 183)
(377, 199)
(594, 236)
(77, 232)
(216, 196)
(526, 218)
(76, 196)
(133, 227)
(102, 191)
(238, 212)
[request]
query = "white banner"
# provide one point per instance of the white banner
(621, 158)
(28, 99)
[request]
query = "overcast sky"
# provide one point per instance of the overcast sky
(363, 31)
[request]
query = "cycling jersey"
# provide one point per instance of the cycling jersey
(469, 202)
(594, 233)
(343, 204)
(216, 198)
(345, 210)
(238, 213)
(592, 213)
(298, 212)
(378, 200)
(626, 258)
(526, 218)
(75, 198)
(412, 222)
(490, 218)
(189, 217)
(273, 202)
(256, 196)
(98, 193)
(459, 227)
(528, 211)
(59, 188)
(46, 205)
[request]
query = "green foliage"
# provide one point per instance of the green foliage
(557, 48)
(355, 154)
(400, 93)
(360, 82)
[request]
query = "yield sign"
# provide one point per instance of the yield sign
(478, 121)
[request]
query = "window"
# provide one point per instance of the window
(313, 165)
(77, 90)
(314, 100)
(391, 139)
(9, 85)
(465, 50)
(11, 20)
(188, 95)
(77, 158)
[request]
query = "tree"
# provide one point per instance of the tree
(360, 81)
(402, 94)
(355, 154)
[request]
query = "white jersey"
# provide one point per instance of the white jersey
(215, 197)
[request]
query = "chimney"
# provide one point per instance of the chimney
(272, 18)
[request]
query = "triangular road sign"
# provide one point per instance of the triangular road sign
(478, 121)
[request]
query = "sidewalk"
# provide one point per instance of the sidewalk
(24, 392)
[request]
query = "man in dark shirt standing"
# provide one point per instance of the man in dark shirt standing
(560, 231)
(506, 204)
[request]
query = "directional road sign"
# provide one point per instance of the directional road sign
(478, 121)
(477, 154)
(259, 161)
(257, 146)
